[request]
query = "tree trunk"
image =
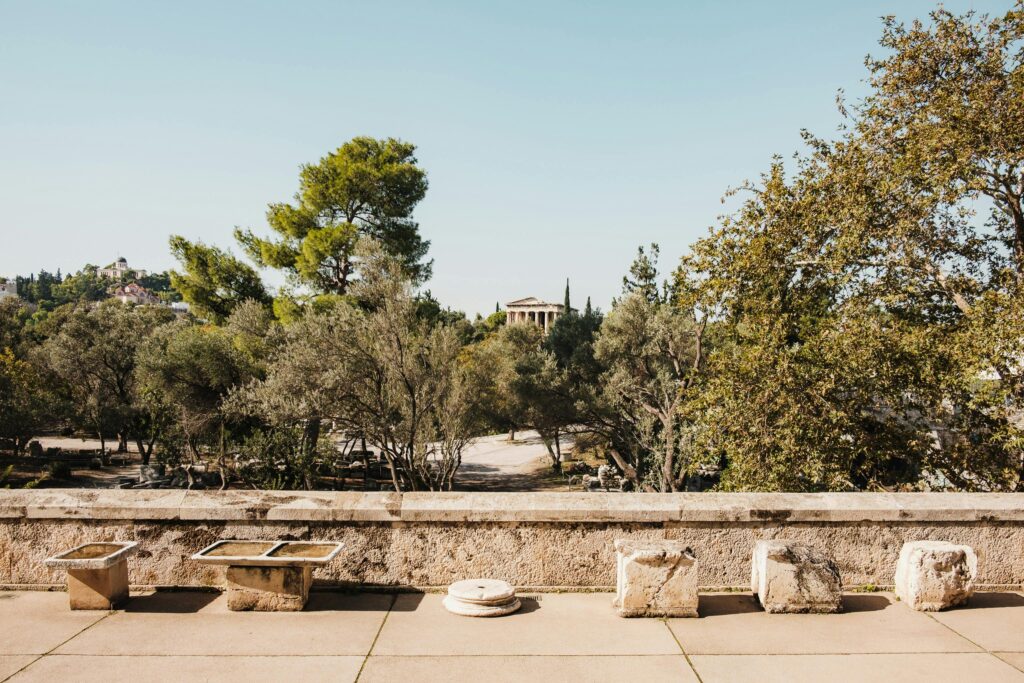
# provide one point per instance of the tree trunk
(143, 451)
(667, 480)
(512, 434)
(628, 470)
(310, 436)
(558, 454)
(394, 471)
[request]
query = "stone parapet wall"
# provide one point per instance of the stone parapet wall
(535, 540)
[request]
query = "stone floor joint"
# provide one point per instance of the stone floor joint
(59, 645)
(394, 599)
(683, 650)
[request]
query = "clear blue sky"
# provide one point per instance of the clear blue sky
(558, 136)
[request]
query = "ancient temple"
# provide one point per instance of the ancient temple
(533, 310)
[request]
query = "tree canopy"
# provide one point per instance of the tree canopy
(367, 187)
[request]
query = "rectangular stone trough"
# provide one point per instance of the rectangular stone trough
(268, 576)
(97, 573)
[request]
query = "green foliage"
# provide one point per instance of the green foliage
(14, 317)
(643, 275)
(213, 282)
(37, 289)
(159, 284)
(85, 285)
(276, 459)
(58, 469)
(571, 340)
(869, 339)
(485, 327)
(377, 371)
(186, 371)
(652, 354)
(94, 356)
(25, 404)
(367, 187)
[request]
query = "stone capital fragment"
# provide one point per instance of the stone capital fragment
(935, 575)
(481, 598)
(789, 577)
(655, 579)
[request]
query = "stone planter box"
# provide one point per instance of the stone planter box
(97, 573)
(268, 576)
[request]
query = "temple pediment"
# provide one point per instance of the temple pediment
(531, 301)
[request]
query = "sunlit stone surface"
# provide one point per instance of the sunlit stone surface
(790, 577)
(655, 579)
(935, 575)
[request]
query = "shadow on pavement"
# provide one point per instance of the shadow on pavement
(328, 601)
(171, 601)
(991, 600)
(526, 605)
(865, 603)
(746, 603)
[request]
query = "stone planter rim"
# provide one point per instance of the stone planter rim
(267, 558)
(105, 561)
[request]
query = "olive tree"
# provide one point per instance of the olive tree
(378, 371)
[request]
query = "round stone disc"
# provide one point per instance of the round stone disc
(482, 591)
(468, 609)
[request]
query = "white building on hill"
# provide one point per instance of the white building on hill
(8, 289)
(133, 293)
(118, 269)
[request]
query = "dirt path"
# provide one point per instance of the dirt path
(492, 463)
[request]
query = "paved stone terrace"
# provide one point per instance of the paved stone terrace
(179, 636)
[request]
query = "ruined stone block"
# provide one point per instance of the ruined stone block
(935, 575)
(790, 577)
(655, 579)
(268, 589)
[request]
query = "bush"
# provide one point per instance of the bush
(58, 469)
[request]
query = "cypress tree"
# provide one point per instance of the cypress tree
(566, 304)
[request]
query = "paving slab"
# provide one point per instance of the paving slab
(994, 621)
(881, 668)
(36, 622)
(610, 669)
(162, 624)
(108, 669)
(10, 664)
(1012, 658)
(733, 623)
(550, 624)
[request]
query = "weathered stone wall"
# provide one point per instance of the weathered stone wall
(537, 540)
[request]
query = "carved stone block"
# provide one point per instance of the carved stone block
(790, 577)
(655, 579)
(935, 575)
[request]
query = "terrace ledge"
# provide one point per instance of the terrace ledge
(669, 508)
